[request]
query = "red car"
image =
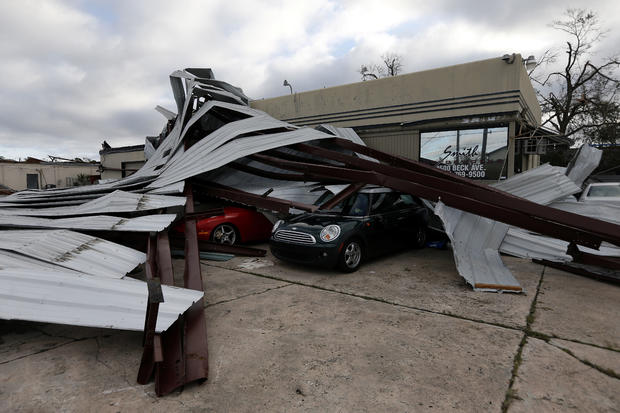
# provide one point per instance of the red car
(234, 226)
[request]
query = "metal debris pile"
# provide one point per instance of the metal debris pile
(65, 253)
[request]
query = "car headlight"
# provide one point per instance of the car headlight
(330, 233)
(276, 225)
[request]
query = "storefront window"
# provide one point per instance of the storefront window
(473, 153)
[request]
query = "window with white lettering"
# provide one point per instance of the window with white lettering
(472, 153)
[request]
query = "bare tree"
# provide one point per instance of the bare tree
(579, 99)
(391, 65)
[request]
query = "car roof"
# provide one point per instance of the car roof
(605, 184)
(373, 189)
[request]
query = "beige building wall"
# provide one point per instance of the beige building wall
(113, 163)
(390, 113)
(470, 89)
(15, 175)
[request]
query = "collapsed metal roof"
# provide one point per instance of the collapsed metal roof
(219, 147)
(77, 298)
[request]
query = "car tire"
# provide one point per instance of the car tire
(225, 234)
(419, 237)
(351, 255)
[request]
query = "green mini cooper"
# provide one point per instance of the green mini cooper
(371, 222)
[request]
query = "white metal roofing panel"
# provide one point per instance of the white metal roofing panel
(172, 189)
(524, 244)
(86, 300)
(73, 250)
(148, 223)
(475, 242)
(115, 202)
(603, 211)
(583, 164)
(541, 185)
(221, 137)
(204, 159)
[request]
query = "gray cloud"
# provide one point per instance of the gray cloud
(76, 72)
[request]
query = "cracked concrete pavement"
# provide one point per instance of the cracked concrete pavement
(402, 334)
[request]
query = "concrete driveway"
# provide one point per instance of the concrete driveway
(402, 334)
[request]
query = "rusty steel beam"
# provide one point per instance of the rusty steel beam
(586, 258)
(345, 193)
(205, 214)
(195, 333)
(164, 260)
(584, 270)
(268, 174)
(149, 358)
(170, 373)
(232, 194)
(177, 241)
(479, 192)
(231, 249)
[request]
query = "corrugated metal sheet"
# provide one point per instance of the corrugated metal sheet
(402, 144)
(85, 300)
(476, 241)
(172, 189)
(603, 211)
(73, 250)
(148, 223)
(203, 158)
(583, 164)
(115, 202)
(523, 244)
(541, 185)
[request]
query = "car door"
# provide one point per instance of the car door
(384, 219)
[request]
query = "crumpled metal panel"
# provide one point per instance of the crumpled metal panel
(203, 158)
(75, 298)
(583, 164)
(603, 211)
(73, 250)
(541, 185)
(172, 189)
(476, 241)
(524, 244)
(115, 202)
(148, 223)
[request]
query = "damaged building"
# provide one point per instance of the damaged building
(481, 119)
(67, 253)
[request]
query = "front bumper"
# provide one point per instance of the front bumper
(320, 254)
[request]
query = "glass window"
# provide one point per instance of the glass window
(472, 153)
(605, 190)
(383, 202)
(356, 206)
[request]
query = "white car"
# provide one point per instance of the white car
(601, 192)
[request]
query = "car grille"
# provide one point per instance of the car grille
(294, 236)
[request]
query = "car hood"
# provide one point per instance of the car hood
(315, 220)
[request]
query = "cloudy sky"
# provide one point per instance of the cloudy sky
(76, 72)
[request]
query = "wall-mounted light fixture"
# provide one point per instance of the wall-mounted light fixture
(286, 83)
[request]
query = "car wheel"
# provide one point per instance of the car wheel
(419, 237)
(350, 256)
(224, 234)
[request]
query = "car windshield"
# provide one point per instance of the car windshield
(356, 206)
(604, 191)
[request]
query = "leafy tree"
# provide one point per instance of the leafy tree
(391, 65)
(580, 100)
